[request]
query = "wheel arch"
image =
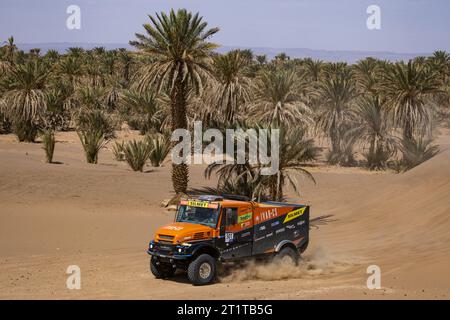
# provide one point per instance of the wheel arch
(206, 249)
(284, 244)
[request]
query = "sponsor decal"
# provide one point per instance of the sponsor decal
(174, 228)
(296, 233)
(269, 234)
(262, 228)
(244, 217)
(300, 223)
(275, 223)
(294, 214)
(291, 226)
(257, 239)
(245, 224)
(280, 230)
(200, 204)
(269, 214)
(229, 236)
(245, 234)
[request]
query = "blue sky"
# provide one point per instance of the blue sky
(410, 26)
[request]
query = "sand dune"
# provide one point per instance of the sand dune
(101, 218)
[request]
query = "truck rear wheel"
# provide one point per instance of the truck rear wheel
(161, 270)
(202, 270)
(287, 255)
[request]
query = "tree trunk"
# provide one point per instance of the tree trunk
(180, 172)
(335, 139)
(371, 157)
(408, 131)
(276, 187)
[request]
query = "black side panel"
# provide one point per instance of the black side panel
(239, 247)
(287, 227)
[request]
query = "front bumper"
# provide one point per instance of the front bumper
(169, 252)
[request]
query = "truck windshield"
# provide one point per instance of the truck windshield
(205, 216)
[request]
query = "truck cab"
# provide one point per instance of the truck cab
(217, 229)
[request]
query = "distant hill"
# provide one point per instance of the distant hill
(326, 55)
(61, 47)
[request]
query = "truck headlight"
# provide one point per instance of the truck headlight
(180, 250)
(151, 245)
(186, 244)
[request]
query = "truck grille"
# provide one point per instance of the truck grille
(164, 242)
(163, 238)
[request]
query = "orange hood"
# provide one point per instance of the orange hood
(183, 232)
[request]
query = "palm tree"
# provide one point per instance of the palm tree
(295, 150)
(145, 107)
(5, 66)
(114, 87)
(26, 96)
(75, 52)
(179, 43)
(126, 62)
(35, 52)
(232, 87)
(108, 61)
(93, 98)
(281, 58)
(409, 89)
(10, 50)
(246, 179)
(52, 56)
(373, 127)
(279, 98)
(367, 75)
(98, 52)
(336, 94)
(70, 68)
(440, 61)
(94, 72)
(261, 59)
(313, 69)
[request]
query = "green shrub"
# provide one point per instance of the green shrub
(118, 151)
(136, 154)
(417, 151)
(93, 142)
(26, 131)
(160, 146)
(95, 129)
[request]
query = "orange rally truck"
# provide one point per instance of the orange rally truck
(214, 229)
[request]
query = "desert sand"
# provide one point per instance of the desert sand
(101, 217)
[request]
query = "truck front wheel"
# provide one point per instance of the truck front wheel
(287, 255)
(202, 270)
(161, 270)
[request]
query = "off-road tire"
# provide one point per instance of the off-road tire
(162, 270)
(287, 252)
(198, 273)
